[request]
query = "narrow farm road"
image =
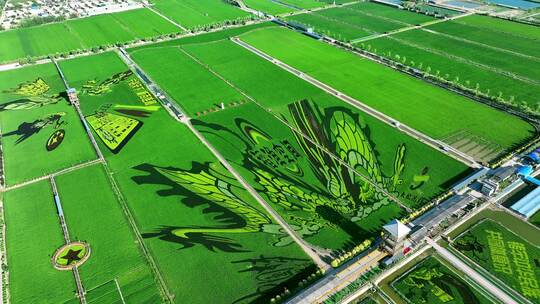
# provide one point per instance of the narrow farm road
(166, 18)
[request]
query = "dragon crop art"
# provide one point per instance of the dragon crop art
(347, 182)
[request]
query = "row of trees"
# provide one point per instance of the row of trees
(438, 199)
(344, 257)
(473, 88)
(286, 293)
(216, 25)
(34, 21)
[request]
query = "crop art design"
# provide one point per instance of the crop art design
(113, 130)
(94, 88)
(116, 124)
(203, 185)
(29, 129)
(432, 282)
(278, 168)
(33, 94)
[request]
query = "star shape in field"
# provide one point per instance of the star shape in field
(72, 256)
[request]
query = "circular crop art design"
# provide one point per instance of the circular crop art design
(71, 255)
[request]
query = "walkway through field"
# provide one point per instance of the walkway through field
(65, 231)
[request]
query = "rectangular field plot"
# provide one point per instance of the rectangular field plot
(504, 254)
(302, 4)
(199, 92)
(429, 109)
(200, 226)
(281, 94)
(82, 33)
(481, 53)
(358, 20)
(94, 216)
(193, 13)
(41, 132)
(33, 234)
(269, 6)
(431, 281)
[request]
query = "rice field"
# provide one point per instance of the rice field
(269, 7)
(431, 281)
(194, 13)
(497, 57)
(429, 109)
(33, 233)
(84, 33)
(504, 254)
(223, 71)
(189, 210)
(359, 20)
(41, 131)
(264, 180)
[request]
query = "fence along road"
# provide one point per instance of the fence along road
(439, 145)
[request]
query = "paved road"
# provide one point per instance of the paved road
(456, 262)
(437, 214)
(336, 280)
(443, 147)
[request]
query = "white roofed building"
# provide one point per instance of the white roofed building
(394, 235)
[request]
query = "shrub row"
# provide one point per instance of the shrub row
(286, 293)
(344, 257)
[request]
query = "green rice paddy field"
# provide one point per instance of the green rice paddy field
(33, 233)
(279, 94)
(429, 109)
(431, 281)
(83, 33)
(358, 20)
(194, 217)
(41, 132)
(504, 254)
(194, 13)
(474, 49)
(94, 215)
(269, 7)
(303, 4)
